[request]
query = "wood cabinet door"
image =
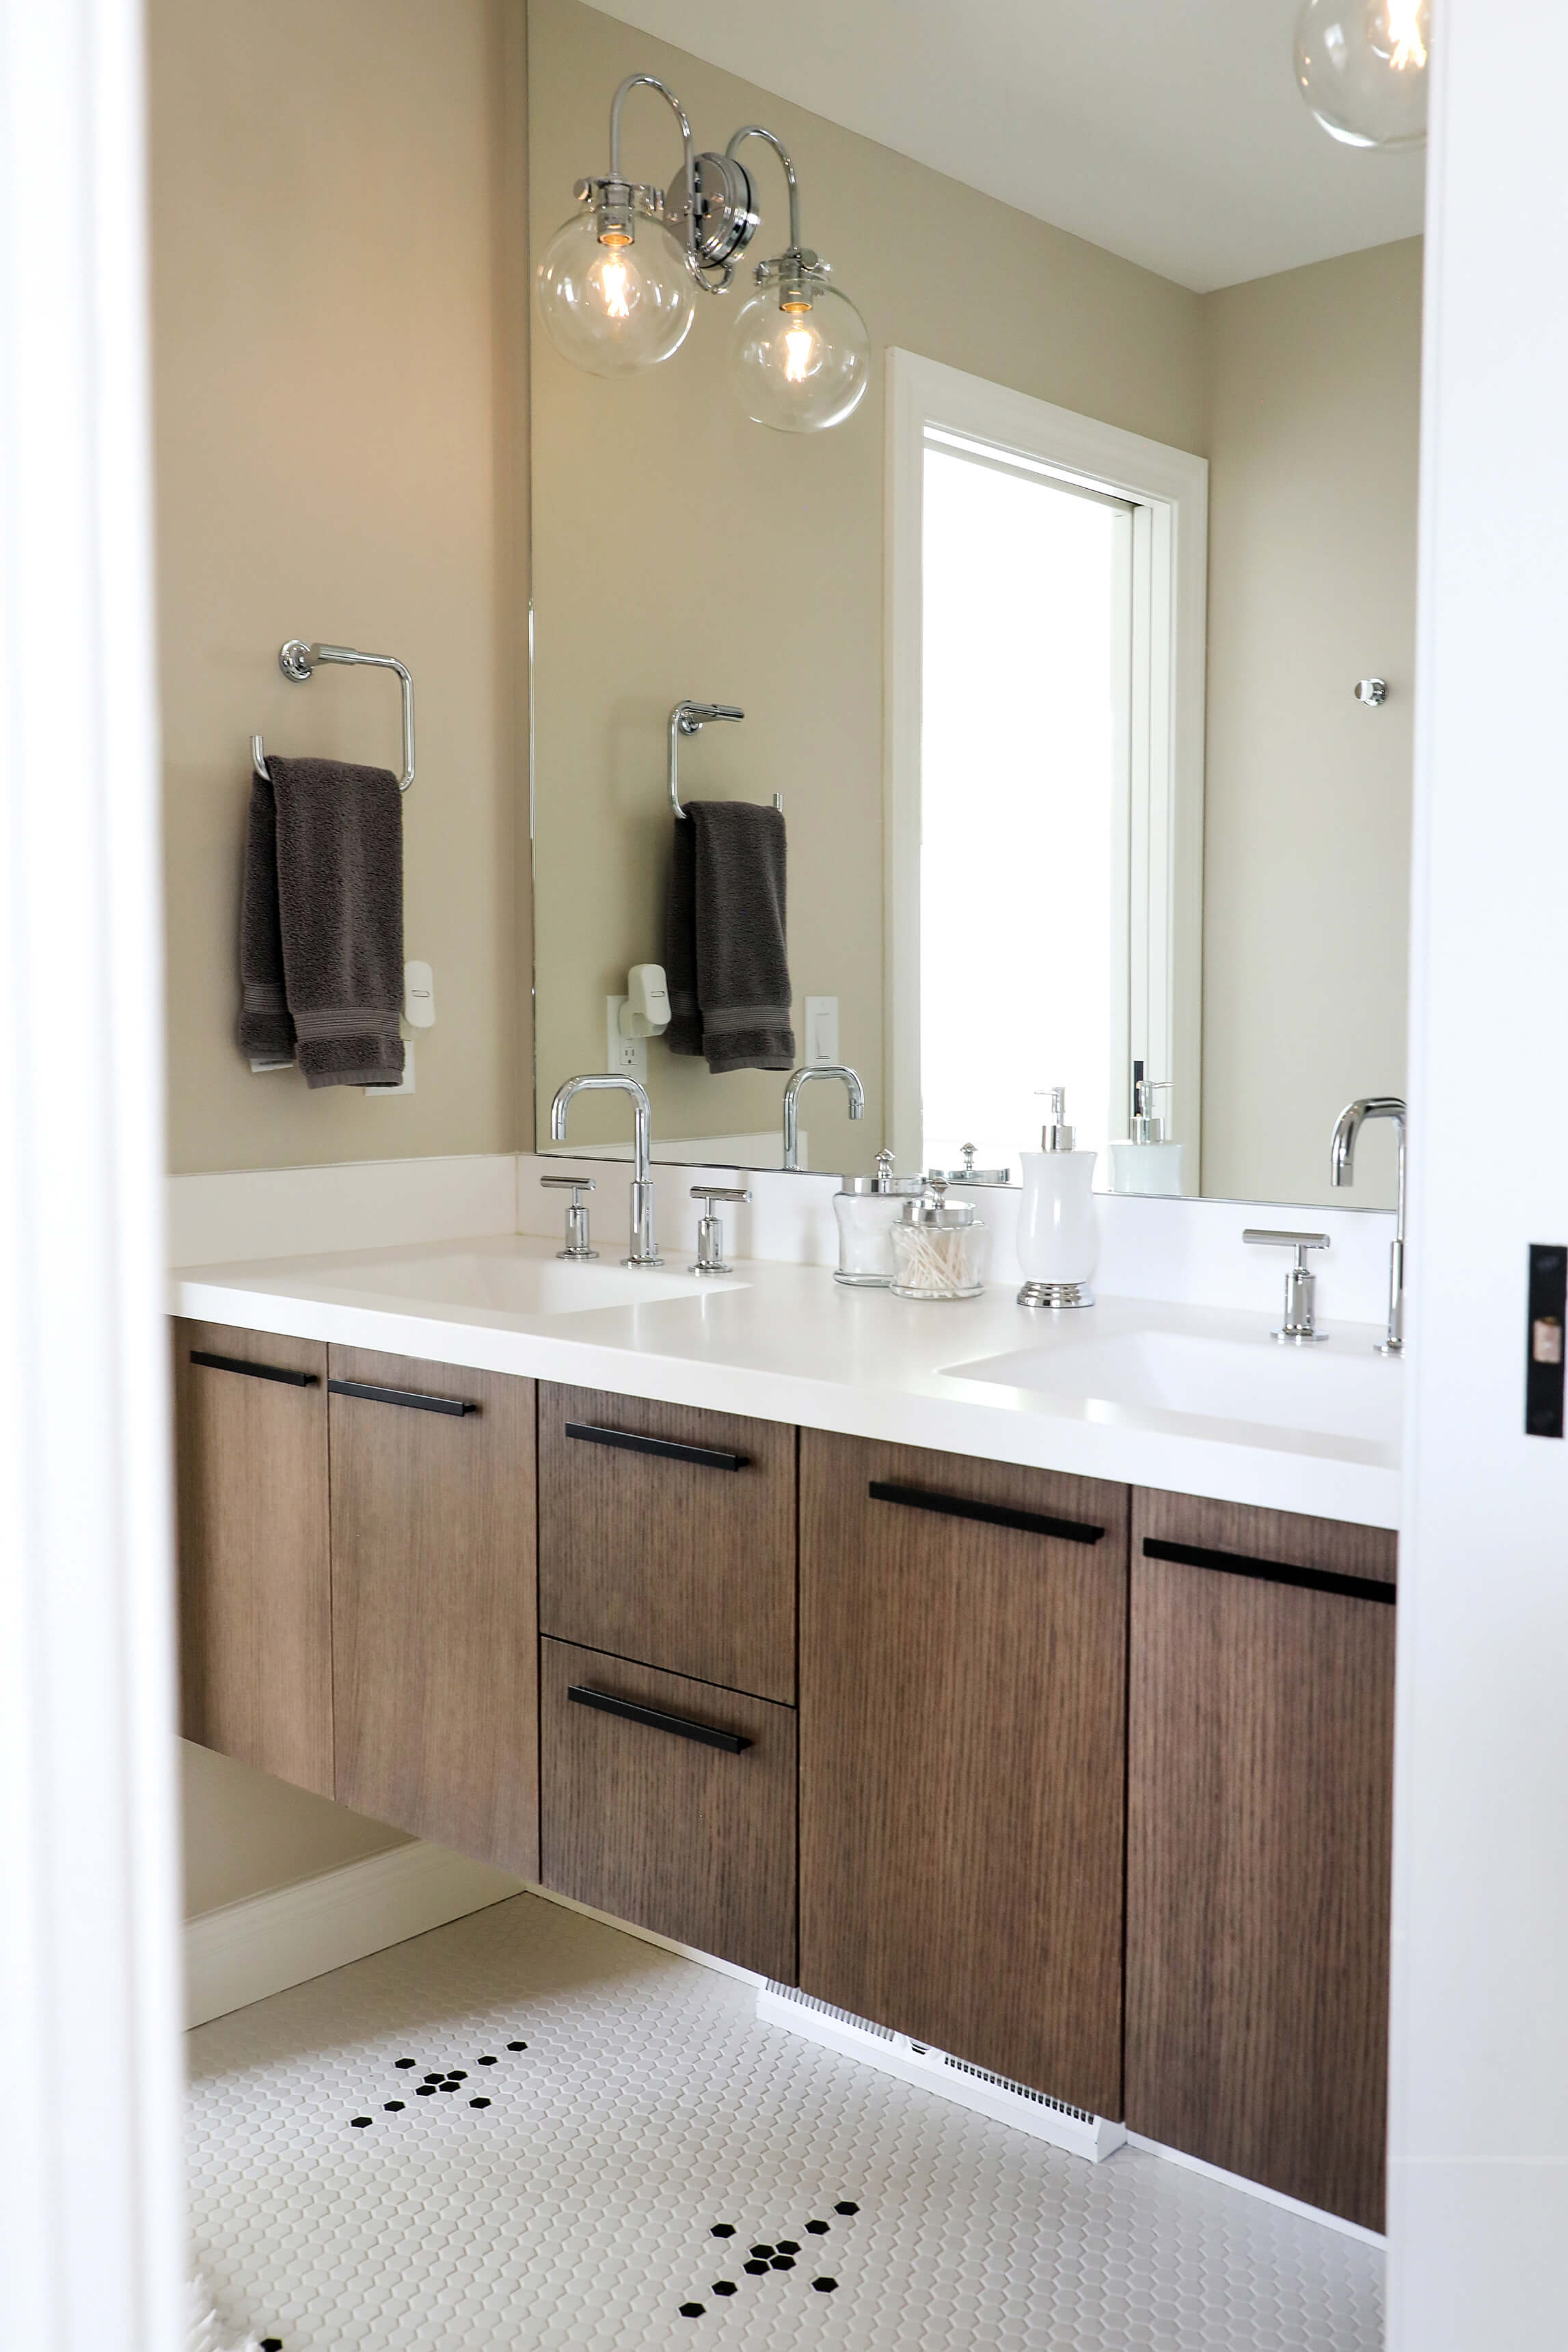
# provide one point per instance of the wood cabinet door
(963, 1630)
(671, 1803)
(255, 1626)
(1260, 1813)
(668, 1536)
(435, 1629)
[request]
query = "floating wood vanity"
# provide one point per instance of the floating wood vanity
(1087, 1784)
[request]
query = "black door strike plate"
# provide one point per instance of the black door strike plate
(1543, 1365)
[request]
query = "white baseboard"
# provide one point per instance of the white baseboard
(263, 1944)
(1256, 2188)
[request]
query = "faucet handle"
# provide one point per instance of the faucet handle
(1300, 1243)
(1298, 1328)
(576, 1245)
(710, 1256)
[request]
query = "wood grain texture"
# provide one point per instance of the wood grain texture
(256, 1624)
(692, 1841)
(433, 1608)
(962, 1726)
(1259, 1815)
(683, 1567)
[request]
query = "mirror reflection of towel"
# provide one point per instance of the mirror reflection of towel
(725, 959)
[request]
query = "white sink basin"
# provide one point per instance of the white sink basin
(509, 1276)
(1338, 1389)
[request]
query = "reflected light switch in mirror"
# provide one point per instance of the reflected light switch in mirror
(821, 1031)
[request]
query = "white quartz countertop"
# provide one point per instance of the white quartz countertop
(1197, 1400)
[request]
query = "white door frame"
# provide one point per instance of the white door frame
(1168, 490)
(90, 2185)
(1479, 2048)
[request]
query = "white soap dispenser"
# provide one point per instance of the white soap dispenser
(1058, 1232)
(1149, 1162)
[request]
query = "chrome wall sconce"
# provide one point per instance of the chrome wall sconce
(617, 286)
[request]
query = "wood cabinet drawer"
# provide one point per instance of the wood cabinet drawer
(674, 1545)
(672, 1806)
(1259, 1815)
(255, 1630)
(963, 1652)
(435, 1648)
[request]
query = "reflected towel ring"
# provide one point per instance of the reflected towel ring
(297, 660)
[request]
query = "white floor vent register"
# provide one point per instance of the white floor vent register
(1073, 2129)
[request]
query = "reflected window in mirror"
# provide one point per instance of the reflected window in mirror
(1045, 788)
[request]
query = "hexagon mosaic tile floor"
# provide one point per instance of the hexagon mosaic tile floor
(526, 2132)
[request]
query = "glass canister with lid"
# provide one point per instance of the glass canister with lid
(938, 1248)
(866, 1208)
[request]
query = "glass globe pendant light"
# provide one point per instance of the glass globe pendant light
(616, 288)
(799, 356)
(1361, 66)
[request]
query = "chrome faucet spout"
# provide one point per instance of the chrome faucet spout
(644, 1249)
(1342, 1171)
(799, 1078)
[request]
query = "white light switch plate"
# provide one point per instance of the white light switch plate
(821, 1031)
(419, 995)
(628, 1056)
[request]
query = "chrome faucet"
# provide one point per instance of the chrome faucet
(1342, 1170)
(645, 1248)
(792, 1102)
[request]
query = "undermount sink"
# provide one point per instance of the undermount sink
(511, 1278)
(1331, 1390)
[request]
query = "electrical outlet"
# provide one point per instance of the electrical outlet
(821, 1031)
(628, 1057)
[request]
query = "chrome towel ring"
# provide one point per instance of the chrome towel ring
(297, 660)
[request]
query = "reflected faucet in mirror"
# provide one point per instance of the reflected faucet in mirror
(792, 1102)
(644, 1250)
(1342, 1170)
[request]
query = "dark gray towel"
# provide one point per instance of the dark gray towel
(685, 1033)
(321, 930)
(728, 870)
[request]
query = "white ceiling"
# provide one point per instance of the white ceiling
(1167, 131)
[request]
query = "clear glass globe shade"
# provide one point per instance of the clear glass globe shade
(803, 371)
(1362, 68)
(613, 310)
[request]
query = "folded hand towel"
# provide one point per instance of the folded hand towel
(733, 939)
(321, 934)
(685, 1033)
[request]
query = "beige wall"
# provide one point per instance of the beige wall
(680, 550)
(246, 1832)
(341, 382)
(1314, 393)
(336, 201)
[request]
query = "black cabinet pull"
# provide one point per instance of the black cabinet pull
(253, 1371)
(992, 1515)
(1271, 1571)
(413, 1399)
(707, 1457)
(681, 1725)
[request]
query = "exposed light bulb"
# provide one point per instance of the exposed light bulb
(1361, 66)
(800, 357)
(799, 345)
(614, 300)
(610, 282)
(1409, 53)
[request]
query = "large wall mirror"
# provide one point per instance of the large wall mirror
(1049, 651)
